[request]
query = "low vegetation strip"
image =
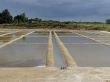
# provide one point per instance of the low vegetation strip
(50, 56)
(68, 58)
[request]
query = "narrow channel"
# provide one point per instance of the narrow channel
(59, 59)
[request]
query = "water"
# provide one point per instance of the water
(39, 34)
(8, 38)
(32, 39)
(31, 50)
(25, 54)
(103, 37)
(67, 34)
(59, 59)
(90, 55)
(76, 40)
(22, 55)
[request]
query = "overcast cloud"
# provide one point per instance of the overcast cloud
(84, 10)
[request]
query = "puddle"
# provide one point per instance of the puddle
(23, 55)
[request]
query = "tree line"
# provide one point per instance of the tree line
(22, 21)
(7, 18)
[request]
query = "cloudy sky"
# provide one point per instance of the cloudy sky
(80, 10)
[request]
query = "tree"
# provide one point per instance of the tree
(35, 20)
(108, 21)
(5, 17)
(20, 18)
(17, 19)
(24, 18)
(1, 19)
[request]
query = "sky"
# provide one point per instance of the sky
(65, 10)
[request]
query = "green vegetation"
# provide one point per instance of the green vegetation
(5, 17)
(22, 21)
(108, 21)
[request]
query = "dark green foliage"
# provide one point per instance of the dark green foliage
(5, 17)
(20, 18)
(35, 20)
(108, 21)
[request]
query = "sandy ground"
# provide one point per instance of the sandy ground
(54, 75)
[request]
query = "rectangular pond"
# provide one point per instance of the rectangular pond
(19, 55)
(25, 54)
(90, 55)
